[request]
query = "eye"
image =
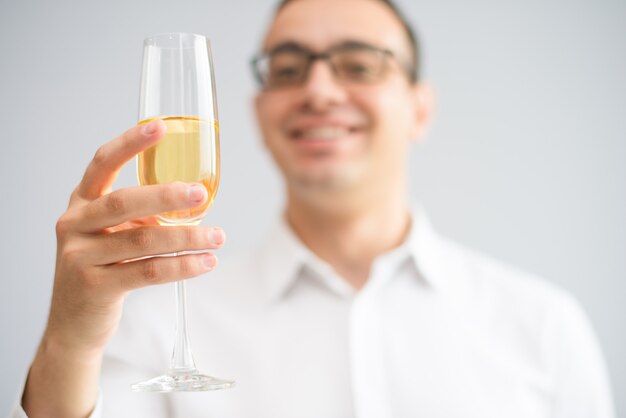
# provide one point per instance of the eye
(284, 72)
(358, 65)
(357, 69)
(286, 68)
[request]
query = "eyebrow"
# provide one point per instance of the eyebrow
(288, 46)
(293, 46)
(353, 44)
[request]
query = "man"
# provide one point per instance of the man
(354, 307)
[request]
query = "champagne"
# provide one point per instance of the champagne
(189, 152)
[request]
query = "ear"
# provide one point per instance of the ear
(423, 106)
(257, 103)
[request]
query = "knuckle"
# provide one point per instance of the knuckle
(130, 136)
(127, 136)
(171, 194)
(90, 280)
(63, 225)
(100, 157)
(71, 255)
(114, 203)
(150, 271)
(75, 194)
(186, 267)
(191, 237)
(141, 238)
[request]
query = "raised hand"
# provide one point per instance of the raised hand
(106, 243)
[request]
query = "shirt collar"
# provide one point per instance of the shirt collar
(424, 252)
(284, 258)
(427, 249)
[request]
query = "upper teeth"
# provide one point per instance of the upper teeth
(327, 132)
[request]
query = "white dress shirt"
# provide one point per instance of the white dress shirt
(438, 331)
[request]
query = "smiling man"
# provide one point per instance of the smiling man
(353, 307)
(338, 110)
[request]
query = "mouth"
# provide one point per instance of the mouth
(328, 133)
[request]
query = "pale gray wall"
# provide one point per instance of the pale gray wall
(524, 161)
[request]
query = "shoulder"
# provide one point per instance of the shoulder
(512, 301)
(527, 319)
(484, 277)
(526, 310)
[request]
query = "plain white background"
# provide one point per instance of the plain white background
(524, 161)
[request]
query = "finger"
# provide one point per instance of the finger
(135, 223)
(149, 241)
(138, 202)
(157, 270)
(110, 157)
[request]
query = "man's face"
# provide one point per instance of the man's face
(330, 135)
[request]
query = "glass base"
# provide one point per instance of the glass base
(190, 381)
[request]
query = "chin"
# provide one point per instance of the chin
(330, 180)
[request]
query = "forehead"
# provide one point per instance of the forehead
(320, 24)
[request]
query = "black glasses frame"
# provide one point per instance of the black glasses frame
(312, 56)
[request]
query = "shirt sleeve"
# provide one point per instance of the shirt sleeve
(115, 383)
(581, 381)
(18, 410)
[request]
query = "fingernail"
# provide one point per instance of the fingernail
(217, 235)
(209, 260)
(196, 193)
(150, 128)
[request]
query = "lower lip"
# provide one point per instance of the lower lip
(312, 143)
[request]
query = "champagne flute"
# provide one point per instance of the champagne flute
(178, 87)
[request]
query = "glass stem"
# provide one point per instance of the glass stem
(182, 359)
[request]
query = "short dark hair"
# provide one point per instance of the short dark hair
(415, 64)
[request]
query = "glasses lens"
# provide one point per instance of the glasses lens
(284, 68)
(362, 65)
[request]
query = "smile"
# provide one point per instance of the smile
(322, 133)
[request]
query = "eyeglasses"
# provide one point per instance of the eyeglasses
(288, 65)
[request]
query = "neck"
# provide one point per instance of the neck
(350, 238)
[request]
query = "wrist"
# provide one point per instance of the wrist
(63, 380)
(84, 331)
(57, 345)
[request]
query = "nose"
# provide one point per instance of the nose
(321, 89)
